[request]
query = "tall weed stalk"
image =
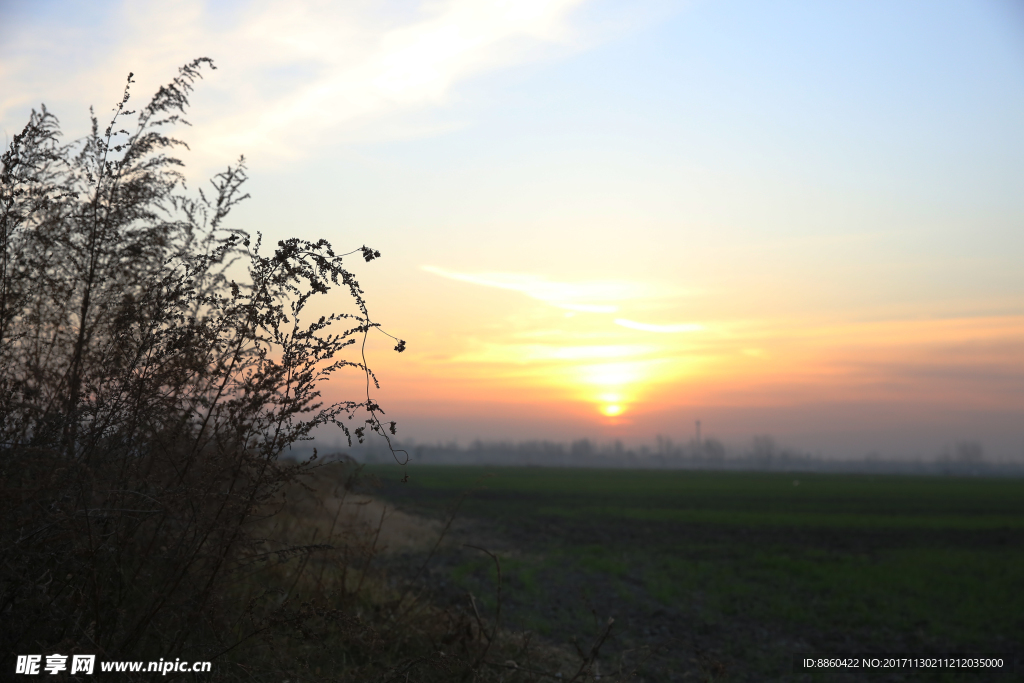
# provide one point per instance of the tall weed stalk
(154, 365)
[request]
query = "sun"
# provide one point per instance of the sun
(611, 403)
(611, 388)
(611, 409)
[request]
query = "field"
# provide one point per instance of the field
(730, 576)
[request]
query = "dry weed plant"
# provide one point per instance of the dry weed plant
(154, 365)
(154, 368)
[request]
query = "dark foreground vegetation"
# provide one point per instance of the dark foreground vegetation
(728, 576)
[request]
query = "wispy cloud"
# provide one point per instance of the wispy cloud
(295, 74)
(545, 355)
(663, 329)
(586, 297)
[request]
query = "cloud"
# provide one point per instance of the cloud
(586, 297)
(294, 75)
(666, 329)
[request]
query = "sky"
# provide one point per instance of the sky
(610, 219)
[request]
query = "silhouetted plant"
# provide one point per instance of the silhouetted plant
(154, 365)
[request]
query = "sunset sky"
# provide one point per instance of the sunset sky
(610, 219)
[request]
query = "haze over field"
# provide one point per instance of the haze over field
(607, 220)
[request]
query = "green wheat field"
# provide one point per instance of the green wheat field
(731, 576)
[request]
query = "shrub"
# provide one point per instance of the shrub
(154, 366)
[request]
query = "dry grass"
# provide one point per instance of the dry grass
(325, 608)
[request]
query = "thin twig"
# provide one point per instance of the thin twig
(497, 613)
(594, 649)
(476, 613)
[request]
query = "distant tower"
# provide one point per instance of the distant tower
(698, 432)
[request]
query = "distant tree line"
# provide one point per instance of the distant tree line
(762, 454)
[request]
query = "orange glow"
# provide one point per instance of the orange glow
(523, 355)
